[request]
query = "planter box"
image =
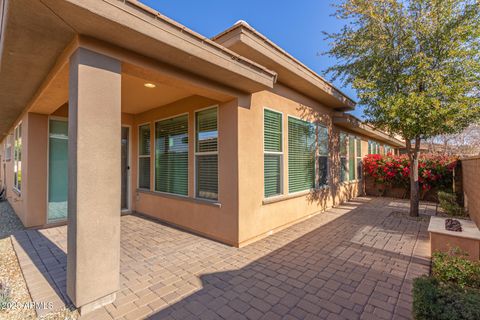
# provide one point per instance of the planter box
(443, 240)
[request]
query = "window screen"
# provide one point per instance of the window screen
(323, 155)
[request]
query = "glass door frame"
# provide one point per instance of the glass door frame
(47, 220)
(129, 174)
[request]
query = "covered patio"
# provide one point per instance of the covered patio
(352, 262)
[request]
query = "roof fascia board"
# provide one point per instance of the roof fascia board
(243, 29)
(149, 22)
(353, 124)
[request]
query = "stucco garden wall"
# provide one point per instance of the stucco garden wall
(471, 187)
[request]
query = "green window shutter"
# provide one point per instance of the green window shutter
(206, 168)
(351, 158)
(272, 131)
(272, 160)
(144, 156)
(171, 155)
(301, 155)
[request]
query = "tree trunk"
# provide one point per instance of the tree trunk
(413, 154)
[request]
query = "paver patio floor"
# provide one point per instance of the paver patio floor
(356, 261)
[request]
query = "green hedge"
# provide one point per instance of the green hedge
(433, 300)
(451, 292)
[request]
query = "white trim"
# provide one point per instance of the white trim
(196, 153)
(171, 117)
(281, 153)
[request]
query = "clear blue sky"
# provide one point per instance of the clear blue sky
(296, 26)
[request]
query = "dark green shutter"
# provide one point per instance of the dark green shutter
(206, 133)
(171, 158)
(301, 161)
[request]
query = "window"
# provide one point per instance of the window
(17, 158)
(8, 148)
(351, 158)
(144, 156)
(171, 155)
(343, 157)
(322, 155)
(359, 158)
(301, 155)
(273, 153)
(206, 153)
(369, 146)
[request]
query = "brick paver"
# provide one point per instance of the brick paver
(356, 261)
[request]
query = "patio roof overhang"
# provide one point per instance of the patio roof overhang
(248, 42)
(351, 123)
(35, 34)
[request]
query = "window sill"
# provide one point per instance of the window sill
(299, 194)
(181, 198)
(17, 192)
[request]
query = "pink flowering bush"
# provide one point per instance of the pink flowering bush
(434, 171)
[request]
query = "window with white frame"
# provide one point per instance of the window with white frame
(144, 156)
(322, 155)
(343, 157)
(301, 155)
(171, 155)
(17, 158)
(273, 153)
(359, 158)
(351, 158)
(206, 153)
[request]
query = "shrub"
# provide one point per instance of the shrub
(454, 267)
(434, 171)
(433, 300)
(448, 202)
(4, 295)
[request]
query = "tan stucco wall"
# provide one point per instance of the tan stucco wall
(30, 203)
(257, 219)
(471, 187)
(217, 222)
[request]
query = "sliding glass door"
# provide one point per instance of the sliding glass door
(57, 170)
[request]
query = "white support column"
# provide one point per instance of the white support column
(94, 124)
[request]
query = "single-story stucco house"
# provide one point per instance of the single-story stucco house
(109, 107)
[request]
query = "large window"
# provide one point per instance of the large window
(351, 158)
(17, 158)
(358, 141)
(323, 155)
(144, 156)
(206, 153)
(343, 157)
(301, 155)
(171, 155)
(273, 153)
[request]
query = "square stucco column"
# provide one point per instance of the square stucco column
(94, 124)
